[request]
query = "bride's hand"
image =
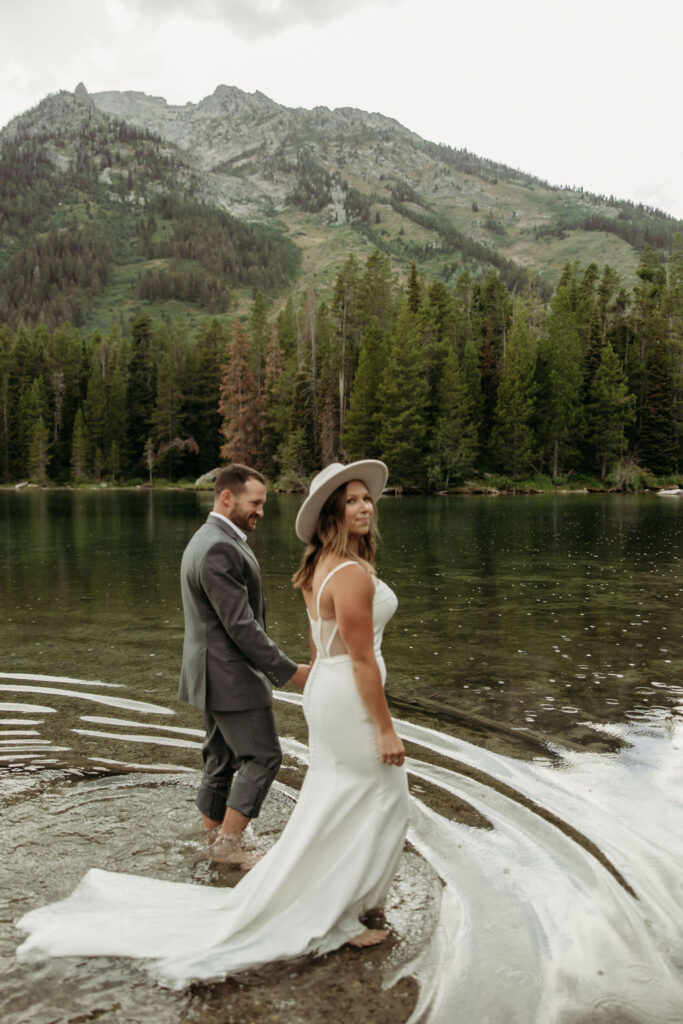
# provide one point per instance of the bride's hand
(391, 749)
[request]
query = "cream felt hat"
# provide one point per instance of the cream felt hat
(372, 472)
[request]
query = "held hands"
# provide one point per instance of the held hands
(300, 676)
(391, 748)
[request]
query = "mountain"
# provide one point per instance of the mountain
(121, 198)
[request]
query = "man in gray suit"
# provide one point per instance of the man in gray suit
(229, 663)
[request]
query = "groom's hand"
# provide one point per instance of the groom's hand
(300, 676)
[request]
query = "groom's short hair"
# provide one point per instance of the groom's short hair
(234, 477)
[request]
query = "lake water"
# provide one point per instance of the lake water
(535, 666)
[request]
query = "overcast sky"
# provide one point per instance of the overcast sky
(586, 94)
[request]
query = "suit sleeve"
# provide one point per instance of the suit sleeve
(222, 578)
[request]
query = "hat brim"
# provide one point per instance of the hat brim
(372, 472)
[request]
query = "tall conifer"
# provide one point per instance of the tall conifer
(610, 410)
(402, 404)
(141, 390)
(513, 443)
(559, 377)
(658, 438)
(237, 404)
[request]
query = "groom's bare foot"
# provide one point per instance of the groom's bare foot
(368, 937)
(227, 850)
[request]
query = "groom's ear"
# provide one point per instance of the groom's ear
(226, 499)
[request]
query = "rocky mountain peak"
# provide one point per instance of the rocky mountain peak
(82, 96)
(57, 111)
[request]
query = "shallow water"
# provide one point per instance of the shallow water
(546, 771)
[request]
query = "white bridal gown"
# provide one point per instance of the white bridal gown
(335, 858)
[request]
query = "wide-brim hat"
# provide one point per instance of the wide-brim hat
(372, 472)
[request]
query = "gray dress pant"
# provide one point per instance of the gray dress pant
(242, 755)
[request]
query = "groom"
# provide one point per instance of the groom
(229, 663)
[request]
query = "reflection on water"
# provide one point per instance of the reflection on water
(539, 641)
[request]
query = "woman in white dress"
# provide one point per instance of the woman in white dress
(337, 855)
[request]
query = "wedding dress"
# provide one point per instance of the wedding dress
(335, 858)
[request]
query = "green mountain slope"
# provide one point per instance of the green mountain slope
(118, 200)
(99, 217)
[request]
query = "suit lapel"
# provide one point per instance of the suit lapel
(241, 544)
(245, 547)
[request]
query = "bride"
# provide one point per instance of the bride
(337, 855)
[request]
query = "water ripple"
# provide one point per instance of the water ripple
(567, 907)
(125, 703)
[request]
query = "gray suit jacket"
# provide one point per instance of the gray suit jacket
(228, 661)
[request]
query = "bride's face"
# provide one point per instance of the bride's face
(359, 509)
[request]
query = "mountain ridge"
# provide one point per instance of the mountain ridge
(332, 182)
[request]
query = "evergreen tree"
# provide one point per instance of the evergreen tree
(202, 382)
(141, 390)
(64, 362)
(79, 449)
(39, 452)
(117, 419)
(237, 403)
(327, 421)
(473, 392)
(258, 333)
(441, 312)
(513, 442)
(294, 457)
(288, 332)
(167, 416)
(376, 293)
(675, 333)
(297, 455)
(585, 296)
(32, 410)
(606, 301)
(114, 461)
(95, 410)
(345, 312)
(648, 321)
(402, 402)
(610, 410)
(276, 404)
(493, 319)
(414, 290)
(6, 404)
(465, 297)
(559, 378)
(360, 429)
(658, 440)
(455, 442)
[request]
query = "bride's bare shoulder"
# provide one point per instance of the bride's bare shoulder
(352, 577)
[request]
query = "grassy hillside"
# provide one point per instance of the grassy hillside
(100, 216)
(99, 220)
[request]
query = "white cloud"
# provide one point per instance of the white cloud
(253, 19)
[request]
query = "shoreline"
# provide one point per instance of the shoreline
(471, 490)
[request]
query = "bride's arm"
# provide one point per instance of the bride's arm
(352, 591)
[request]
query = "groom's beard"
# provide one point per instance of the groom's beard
(244, 519)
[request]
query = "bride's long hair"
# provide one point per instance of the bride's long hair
(331, 536)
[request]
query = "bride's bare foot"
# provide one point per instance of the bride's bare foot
(368, 937)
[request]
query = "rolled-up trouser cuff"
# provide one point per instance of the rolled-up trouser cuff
(212, 802)
(242, 756)
(249, 788)
(246, 795)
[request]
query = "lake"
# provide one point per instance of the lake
(535, 666)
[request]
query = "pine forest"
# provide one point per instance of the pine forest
(472, 386)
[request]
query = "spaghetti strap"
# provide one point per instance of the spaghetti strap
(329, 576)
